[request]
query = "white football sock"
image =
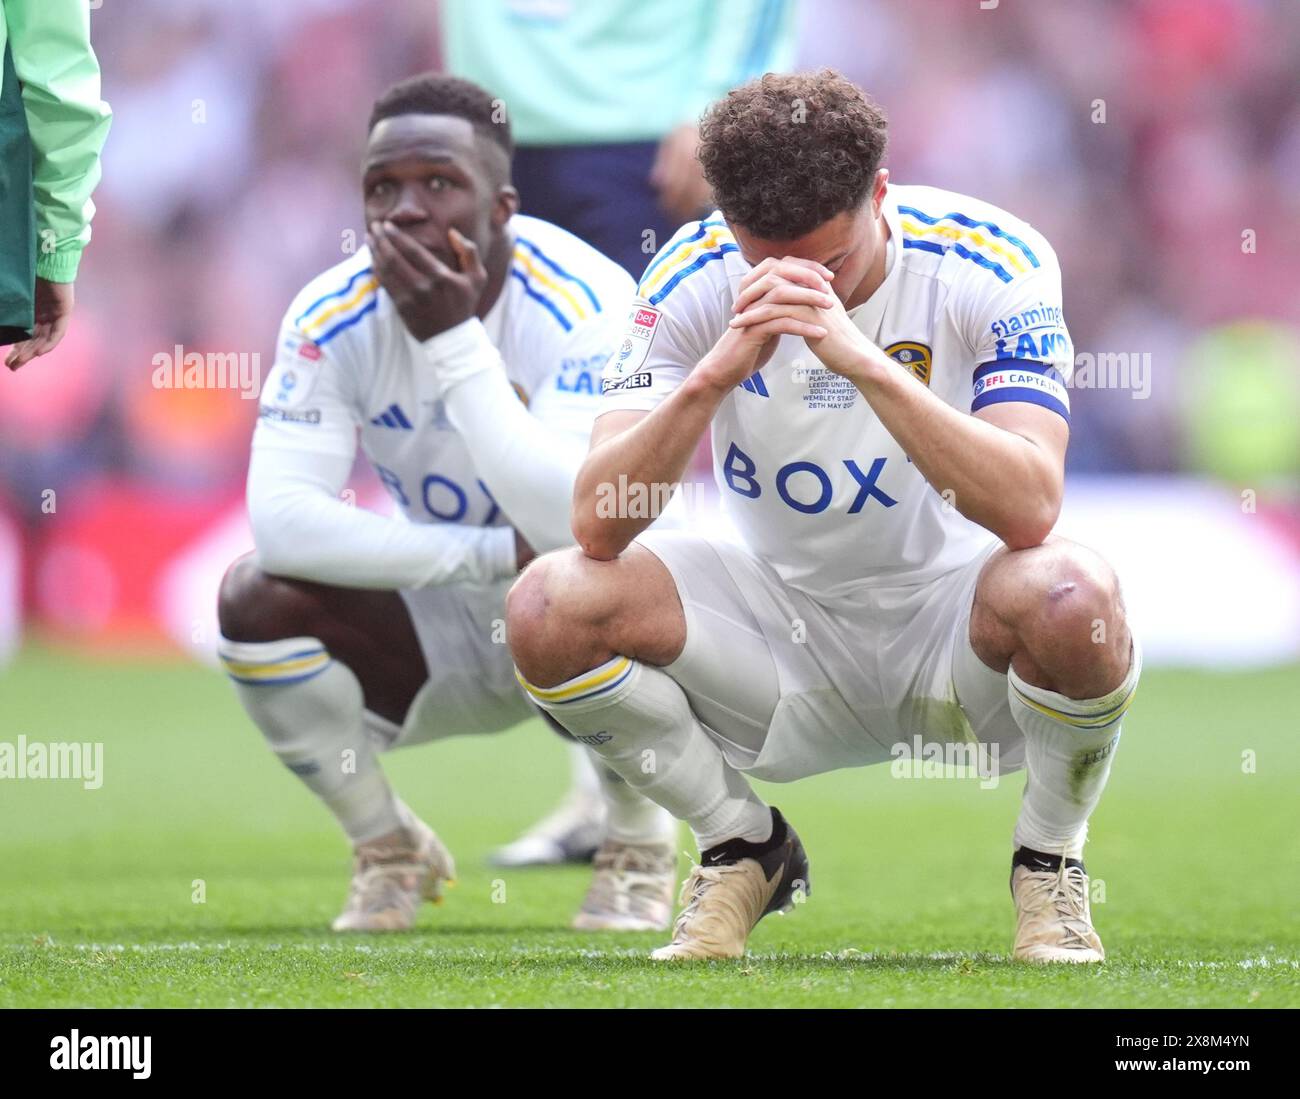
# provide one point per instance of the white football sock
(584, 778)
(311, 710)
(630, 816)
(636, 718)
(1069, 746)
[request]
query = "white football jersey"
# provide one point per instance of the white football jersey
(345, 362)
(814, 483)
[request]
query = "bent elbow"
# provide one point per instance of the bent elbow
(600, 551)
(1031, 528)
(599, 545)
(1023, 538)
(595, 537)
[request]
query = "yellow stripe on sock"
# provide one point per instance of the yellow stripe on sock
(567, 692)
(1092, 721)
(243, 670)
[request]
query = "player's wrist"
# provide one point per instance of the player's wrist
(869, 367)
(455, 342)
(459, 353)
(711, 380)
(501, 552)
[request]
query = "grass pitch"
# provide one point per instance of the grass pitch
(1195, 842)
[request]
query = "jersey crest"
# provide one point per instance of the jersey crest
(915, 356)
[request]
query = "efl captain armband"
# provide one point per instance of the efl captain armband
(1034, 383)
(460, 353)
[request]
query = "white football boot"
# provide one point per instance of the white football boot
(1053, 916)
(570, 834)
(392, 875)
(631, 888)
(735, 885)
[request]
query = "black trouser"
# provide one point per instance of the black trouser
(599, 193)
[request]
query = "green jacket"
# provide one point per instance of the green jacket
(67, 121)
(576, 72)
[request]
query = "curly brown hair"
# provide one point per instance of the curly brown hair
(786, 153)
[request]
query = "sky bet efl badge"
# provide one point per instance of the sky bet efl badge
(915, 356)
(643, 323)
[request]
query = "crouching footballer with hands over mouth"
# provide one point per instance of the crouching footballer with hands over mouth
(461, 348)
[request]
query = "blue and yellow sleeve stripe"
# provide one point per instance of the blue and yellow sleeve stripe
(981, 242)
(340, 309)
(710, 241)
(288, 669)
(568, 298)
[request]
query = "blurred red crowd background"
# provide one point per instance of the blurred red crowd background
(1156, 143)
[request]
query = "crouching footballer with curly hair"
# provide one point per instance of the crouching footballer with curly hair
(883, 372)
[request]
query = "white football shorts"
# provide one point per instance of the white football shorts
(789, 686)
(471, 686)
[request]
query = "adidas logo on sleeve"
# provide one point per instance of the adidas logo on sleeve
(393, 416)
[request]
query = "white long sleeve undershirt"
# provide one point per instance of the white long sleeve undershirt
(302, 529)
(530, 465)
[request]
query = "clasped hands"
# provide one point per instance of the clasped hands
(788, 297)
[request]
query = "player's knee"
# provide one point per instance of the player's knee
(552, 607)
(1076, 618)
(538, 602)
(1080, 590)
(236, 597)
(255, 606)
